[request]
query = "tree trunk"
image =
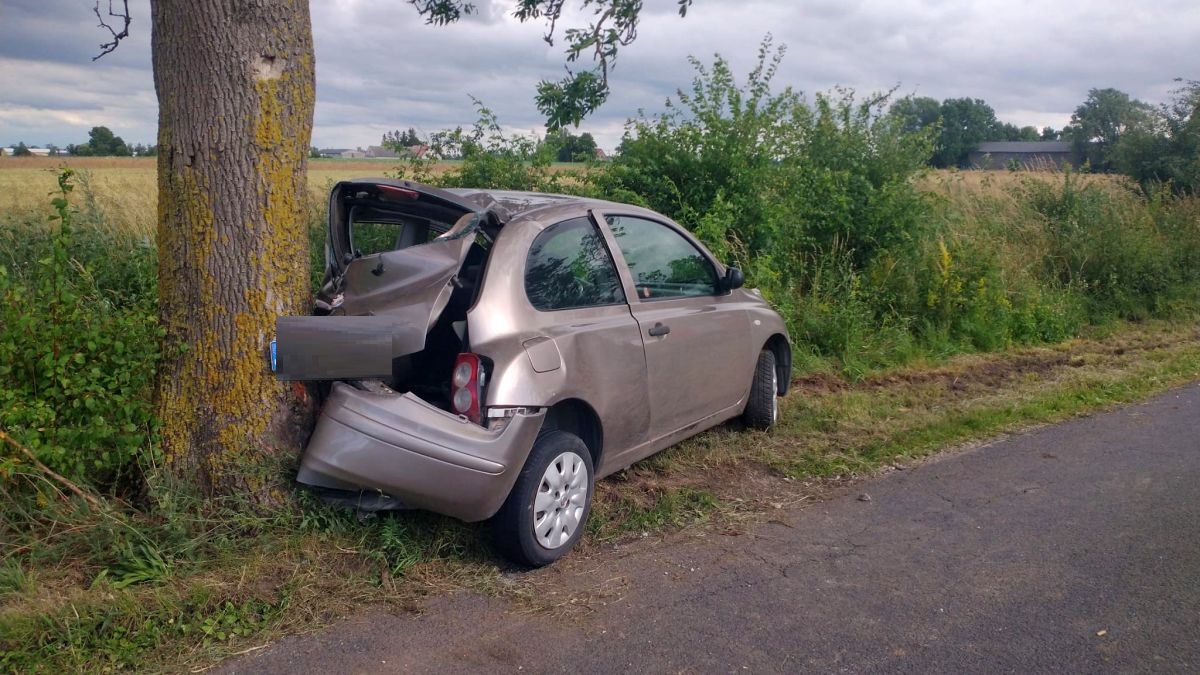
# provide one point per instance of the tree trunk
(235, 84)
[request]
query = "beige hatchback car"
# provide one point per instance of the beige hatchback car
(491, 354)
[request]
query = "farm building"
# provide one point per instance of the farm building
(1028, 155)
(35, 152)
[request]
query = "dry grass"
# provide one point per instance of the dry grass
(996, 183)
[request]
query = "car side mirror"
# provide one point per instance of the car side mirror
(733, 278)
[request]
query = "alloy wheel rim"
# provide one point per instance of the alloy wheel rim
(560, 500)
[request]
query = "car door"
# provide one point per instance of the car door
(693, 333)
(582, 321)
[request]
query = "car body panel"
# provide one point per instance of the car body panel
(603, 363)
(715, 325)
(380, 306)
(425, 457)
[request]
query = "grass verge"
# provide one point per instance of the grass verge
(269, 578)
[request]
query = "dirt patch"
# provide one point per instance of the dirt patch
(819, 383)
(983, 373)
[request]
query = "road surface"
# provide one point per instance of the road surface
(1070, 548)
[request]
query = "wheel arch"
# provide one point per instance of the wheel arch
(577, 417)
(782, 349)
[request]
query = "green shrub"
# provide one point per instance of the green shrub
(79, 343)
(490, 159)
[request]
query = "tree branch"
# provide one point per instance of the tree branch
(78, 491)
(123, 19)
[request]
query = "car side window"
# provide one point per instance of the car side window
(663, 263)
(569, 267)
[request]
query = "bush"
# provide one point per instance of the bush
(804, 197)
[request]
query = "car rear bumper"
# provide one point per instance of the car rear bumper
(408, 449)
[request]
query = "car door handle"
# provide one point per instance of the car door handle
(659, 330)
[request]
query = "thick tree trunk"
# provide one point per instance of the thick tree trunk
(235, 85)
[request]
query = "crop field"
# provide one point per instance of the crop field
(124, 188)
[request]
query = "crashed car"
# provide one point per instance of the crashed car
(490, 354)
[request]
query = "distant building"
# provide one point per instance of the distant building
(416, 151)
(378, 151)
(36, 152)
(374, 152)
(1027, 155)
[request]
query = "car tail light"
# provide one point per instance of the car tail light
(390, 193)
(465, 385)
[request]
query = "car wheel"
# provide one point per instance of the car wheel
(548, 507)
(762, 408)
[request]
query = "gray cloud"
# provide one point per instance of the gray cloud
(379, 67)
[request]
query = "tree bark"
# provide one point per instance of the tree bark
(235, 83)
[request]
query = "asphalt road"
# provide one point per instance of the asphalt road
(1072, 548)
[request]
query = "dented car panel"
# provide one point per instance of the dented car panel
(395, 281)
(426, 457)
(346, 347)
(388, 305)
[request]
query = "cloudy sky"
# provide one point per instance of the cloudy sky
(380, 68)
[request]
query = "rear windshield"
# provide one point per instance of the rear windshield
(367, 219)
(372, 232)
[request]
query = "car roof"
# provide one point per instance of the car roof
(508, 205)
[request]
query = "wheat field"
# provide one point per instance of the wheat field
(124, 188)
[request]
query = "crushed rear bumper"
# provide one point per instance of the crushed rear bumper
(420, 455)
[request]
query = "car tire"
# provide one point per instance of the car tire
(762, 407)
(546, 512)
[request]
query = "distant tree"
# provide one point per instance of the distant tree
(1030, 133)
(313, 152)
(1166, 148)
(54, 149)
(141, 150)
(966, 123)
(1099, 123)
(101, 143)
(567, 147)
(1011, 132)
(916, 113)
(399, 140)
(1050, 134)
(21, 150)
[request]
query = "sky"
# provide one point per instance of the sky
(379, 67)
